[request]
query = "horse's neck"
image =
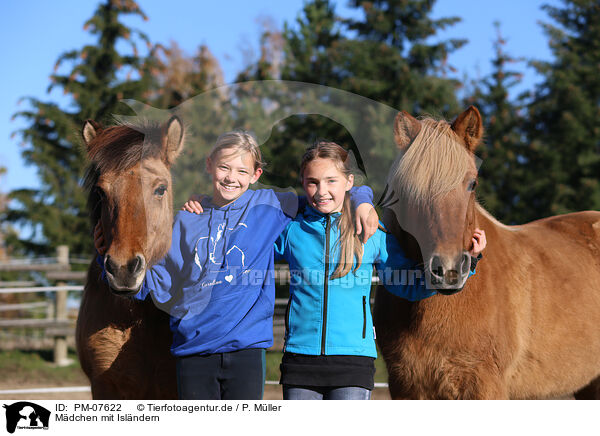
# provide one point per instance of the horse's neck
(495, 231)
(123, 311)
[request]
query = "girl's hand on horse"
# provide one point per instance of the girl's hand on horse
(193, 204)
(99, 239)
(367, 221)
(479, 242)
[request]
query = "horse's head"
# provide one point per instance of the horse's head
(130, 193)
(434, 182)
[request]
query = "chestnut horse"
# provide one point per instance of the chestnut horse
(123, 344)
(526, 325)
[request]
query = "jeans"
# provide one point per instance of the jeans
(238, 375)
(291, 392)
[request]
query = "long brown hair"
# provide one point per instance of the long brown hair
(349, 243)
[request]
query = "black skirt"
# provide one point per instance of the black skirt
(305, 370)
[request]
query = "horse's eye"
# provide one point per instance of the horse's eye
(472, 185)
(160, 191)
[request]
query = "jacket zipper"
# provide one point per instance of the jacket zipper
(287, 323)
(324, 332)
(287, 316)
(364, 317)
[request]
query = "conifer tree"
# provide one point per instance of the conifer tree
(502, 174)
(311, 43)
(564, 126)
(392, 61)
(95, 78)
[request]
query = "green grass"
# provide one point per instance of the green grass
(274, 359)
(36, 366)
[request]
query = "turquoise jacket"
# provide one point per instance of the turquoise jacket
(333, 317)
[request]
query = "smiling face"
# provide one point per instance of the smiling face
(232, 173)
(325, 185)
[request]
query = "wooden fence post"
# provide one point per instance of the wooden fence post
(60, 310)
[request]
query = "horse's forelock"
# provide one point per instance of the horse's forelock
(116, 149)
(433, 165)
(121, 147)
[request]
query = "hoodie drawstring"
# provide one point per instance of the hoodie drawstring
(225, 235)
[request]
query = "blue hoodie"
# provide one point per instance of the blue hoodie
(216, 281)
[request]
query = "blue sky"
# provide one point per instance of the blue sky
(35, 33)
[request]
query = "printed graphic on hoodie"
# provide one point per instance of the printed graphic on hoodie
(216, 244)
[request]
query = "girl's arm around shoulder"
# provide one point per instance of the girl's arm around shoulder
(361, 194)
(366, 219)
(362, 202)
(289, 202)
(292, 203)
(281, 244)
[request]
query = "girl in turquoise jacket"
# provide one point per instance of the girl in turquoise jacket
(329, 347)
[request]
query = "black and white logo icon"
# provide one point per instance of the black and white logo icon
(26, 415)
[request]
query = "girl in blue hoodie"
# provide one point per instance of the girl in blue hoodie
(329, 347)
(216, 281)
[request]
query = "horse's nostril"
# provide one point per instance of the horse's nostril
(466, 263)
(109, 266)
(451, 277)
(436, 266)
(135, 265)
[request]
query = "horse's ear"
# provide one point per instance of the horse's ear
(469, 127)
(406, 128)
(90, 130)
(173, 139)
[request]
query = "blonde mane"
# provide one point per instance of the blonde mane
(434, 164)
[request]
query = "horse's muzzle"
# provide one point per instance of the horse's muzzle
(125, 280)
(449, 277)
(125, 293)
(448, 292)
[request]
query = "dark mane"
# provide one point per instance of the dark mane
(118, 148)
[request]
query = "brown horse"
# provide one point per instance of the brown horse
(123, 344)
(527, 325)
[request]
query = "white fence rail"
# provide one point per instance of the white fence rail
(40, 289)
(56, 323)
